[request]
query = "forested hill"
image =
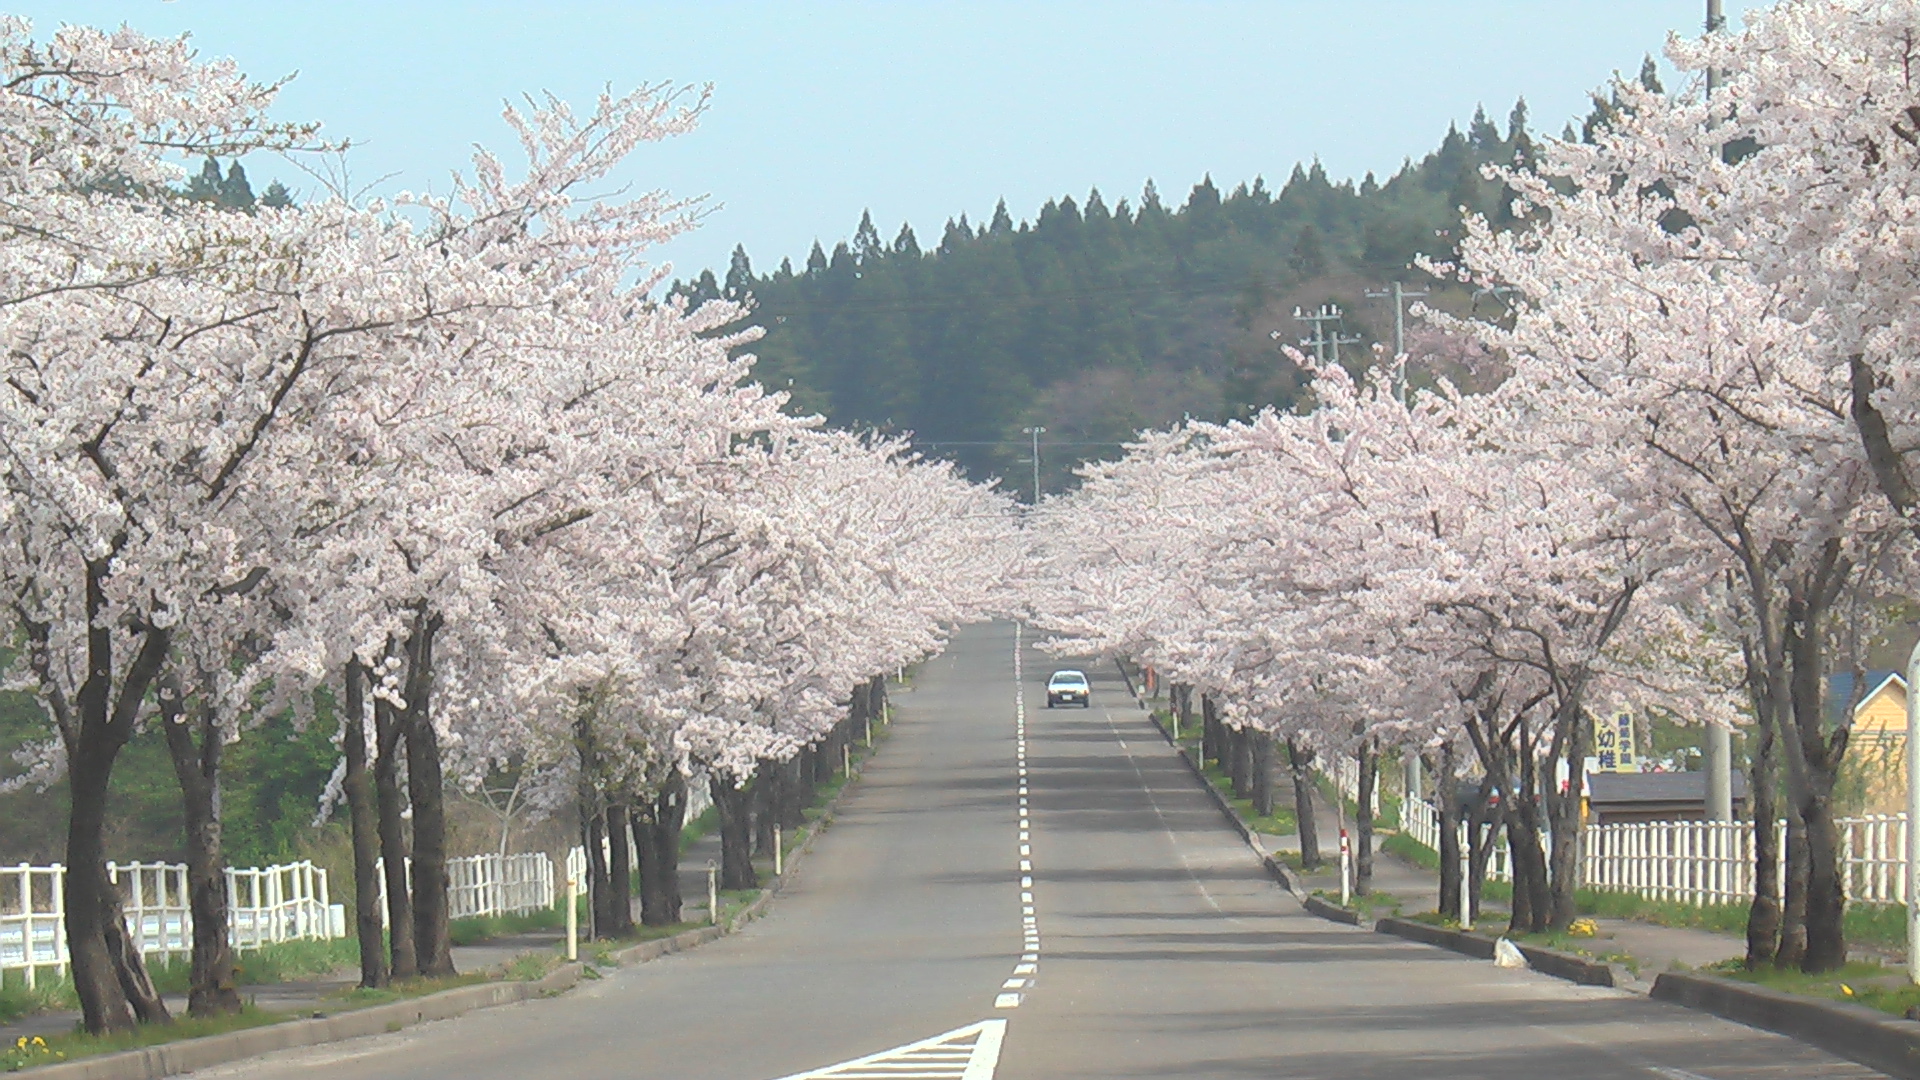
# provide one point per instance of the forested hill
(1099, 318)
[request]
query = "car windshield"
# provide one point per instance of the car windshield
(1069, 678)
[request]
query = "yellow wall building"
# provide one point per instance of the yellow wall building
(1876, 773)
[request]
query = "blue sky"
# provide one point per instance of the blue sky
(921, 110)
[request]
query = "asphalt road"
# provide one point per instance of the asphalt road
(1156, 947)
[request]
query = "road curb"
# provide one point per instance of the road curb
(1560, 965)
(1331, 912)
(1855, 1032)
(1274, 867)
(190, 1055)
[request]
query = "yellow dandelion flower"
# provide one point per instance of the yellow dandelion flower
(40, 1042)
(21, 1042)
(1847, 990)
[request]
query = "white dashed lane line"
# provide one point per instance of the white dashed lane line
(1012, 991)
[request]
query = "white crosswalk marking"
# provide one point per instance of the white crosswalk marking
(968, 1053)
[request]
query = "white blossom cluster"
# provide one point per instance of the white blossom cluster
(245, 448)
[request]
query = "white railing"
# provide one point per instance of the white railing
(268, 904)
(499, 884)
(487, 884)
(1691, 862)
(1873, 858)
(1421, 821)
(279, 903)
(1706, 862)
(1346, 780)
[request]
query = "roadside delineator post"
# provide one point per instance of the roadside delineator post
(713, 893)
(777, 854)
(1466, 875)
(1346, 869)
(573, 913)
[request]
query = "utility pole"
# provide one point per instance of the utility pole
(1716, 22)
(1326, 347)
(1399, 296)
(1036, 432)
(1719, 748)
(1913, 815)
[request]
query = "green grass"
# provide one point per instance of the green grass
(694, 831)
(1881, 926)
(69, 1045)
(283, 962)
(1370, 905)
(50, 994)
(530, 966)
(1862, 982)
(484, 928)
(360, 997)
(1577, 945)
(1279, 823)
(1407, 849)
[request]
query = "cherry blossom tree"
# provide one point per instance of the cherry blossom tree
(1650, 322)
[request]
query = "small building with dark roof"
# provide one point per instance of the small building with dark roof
(1613, 798)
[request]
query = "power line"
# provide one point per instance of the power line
(1198, 288)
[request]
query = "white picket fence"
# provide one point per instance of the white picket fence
(1346, 780)
(266, 904)
(492, 884)
(1707, 862)
(499, 884)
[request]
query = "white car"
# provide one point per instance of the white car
(1067, 687)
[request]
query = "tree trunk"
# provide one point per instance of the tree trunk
(1363, 818)
(877, 700)
(1300, 764)
(826, 757)
(593, 835)
(796, 791)
(1523, 836)
(1563, 816)
(1262, 772)
(1240, 761)
(128, 965)
(194, 743)
(620, 870)
(1826, 901)
(109, 977)
(365, 819)
(389, 740)
(731, 801)
(432, 937)
(1793, 913)
(103, 1004)
(1211, 748)
(1485, 819)
(1765, 914)
(766, 805)
(658, 834)
(1446, 801)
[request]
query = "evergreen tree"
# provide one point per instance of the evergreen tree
(205, 185)
(905, 245)
(235, 192)
(866, 239)
(1098, 321)
(276, 196)
(739, 275)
